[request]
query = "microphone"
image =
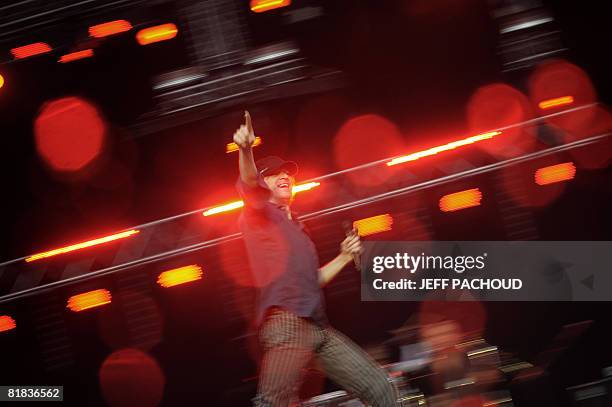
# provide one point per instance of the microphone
(347, 225)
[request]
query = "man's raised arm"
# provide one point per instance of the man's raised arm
(244, 137)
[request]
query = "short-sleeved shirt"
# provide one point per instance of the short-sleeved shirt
(283, 258)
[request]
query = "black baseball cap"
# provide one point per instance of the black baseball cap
(272, 165)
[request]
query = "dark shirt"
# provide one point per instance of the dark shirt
(283, 259)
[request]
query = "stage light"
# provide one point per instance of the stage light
(304, 187)
(30, 50)
(109, 28)
(556, 102)
(82, 245)
(460, 200)
(444, 147)
(223, 208)
(555, 173)
(1, 81)
(89, 299)
(181, 275)
(7, 323)
(239, 204)
(231, 147)
(374, 224)
(74, 56)
(259, 6)
(157, 33)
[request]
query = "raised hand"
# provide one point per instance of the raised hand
(244, 137)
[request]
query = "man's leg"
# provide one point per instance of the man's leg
(353, 369)
(288, 343)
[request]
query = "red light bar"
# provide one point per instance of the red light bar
(374, 224)
(460, 200)
(90, 299)
(74, 56)
(231, 147)
(223, 208)
(30, 50)
(7, 323)
(82, 245)
(304, 187)
(181, 275)
(157, 33)
(555, 173)
(259, 6)
(550, 103)
(109, 28)
(444, 147)
(239, 204)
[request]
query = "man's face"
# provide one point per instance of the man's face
(281, 185)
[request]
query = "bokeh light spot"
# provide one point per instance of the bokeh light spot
(495, 106)
(555, 79)
(363, 139)
(69, 133)
(131, 378)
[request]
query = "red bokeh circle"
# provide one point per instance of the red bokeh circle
(69, 133)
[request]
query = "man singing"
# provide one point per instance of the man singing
(293, 327)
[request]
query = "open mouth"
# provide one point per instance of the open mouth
(282, 185)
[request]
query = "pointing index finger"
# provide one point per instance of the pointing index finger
(247, 121)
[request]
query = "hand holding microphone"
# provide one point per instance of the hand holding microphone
(352, 244)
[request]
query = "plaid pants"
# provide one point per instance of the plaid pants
(290, 342)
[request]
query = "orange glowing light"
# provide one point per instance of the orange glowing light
(374, 224)
(89, 299)
(460, 200)
(259, 6)
(7, 323)
(82, 245)
(74, 56)
(550, 103)
(555, 173)
(1, 81)
(445, 147)
(304, 187)
(231, 147)
(157, 33)
(109, 28)
(30, 50)
(239, 204)
(180, 275)
(223, 208)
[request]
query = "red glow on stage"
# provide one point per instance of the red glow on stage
(155, 34)
(555, 173)
(364, 139)
(7, 323)
(373, 225)
(109, 28)
(30, 50)
(470, 317)
(75, 56)
(259, 6)
(556, 102)
(497, 106)
(69, 133)
(131, 377)
(442, 148)
(555, 82)
(460, 200)
(83, 245)
(88, 300)
(181, 275)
